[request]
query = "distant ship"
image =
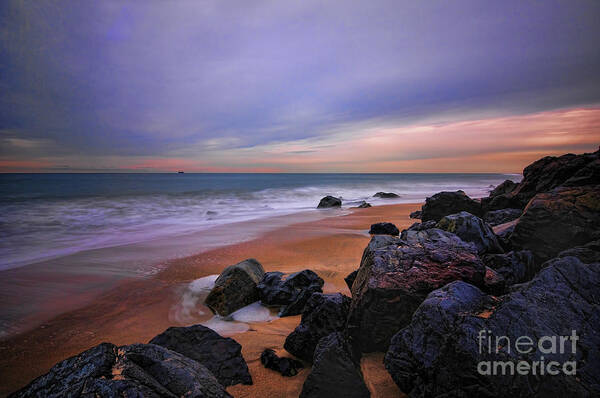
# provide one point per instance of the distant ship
(180, 172)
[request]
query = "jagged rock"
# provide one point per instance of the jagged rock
(396, 275)
(329, 201)
(290, 293)
(286, 366)
(386, 195)
(350, 278)
(323, 314)
(137, 370)
(235, 287)
(503, 232)
(588, 253)
(335, 373)
(418, 226)
(384, 228)
(493, 282)
(506, 187)
(563, 218)
(472, 229)
(415, 214)
(221, 355)
(515, 266)
(364, 205)
(497, 217)
(445, 203)
(439, 353)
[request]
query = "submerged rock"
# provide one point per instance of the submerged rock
(221, 355)
(334, 373)
(137, 370)
(384, 228)
(235, 287)
(329, 201)
(290, 293)
(364, 205)
(386, 195)
(472, 229)
(286, 366)
(323, 314)
(497, 217)
(445, 203)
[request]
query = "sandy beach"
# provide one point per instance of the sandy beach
(138, 309)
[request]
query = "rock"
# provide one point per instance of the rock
(386, 195)
(329, 201)
(396, 275)
(286, 366)
(503, 232)
(471, 229)
(588, 253)
(384, 228)
(290, 293)
(235, 287)
(416, 214)
(350, 278)
(221, 355)
(418, 227)
(334, 373)
(445, 203)
(323, 314)
(506, 187)
(364, 205)
(439, 353)
(494, 282)
(497, 217)
(515, 266)
(137, 370)
(555, 221)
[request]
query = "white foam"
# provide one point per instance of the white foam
(254, 312)
(224, 327)
(187, 311)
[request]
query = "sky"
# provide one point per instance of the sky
(296, 86)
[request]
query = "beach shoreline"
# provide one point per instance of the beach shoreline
(138, 309)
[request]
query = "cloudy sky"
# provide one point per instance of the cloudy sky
(292, 86)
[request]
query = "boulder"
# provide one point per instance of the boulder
(386, 195)
(137, 370)
(503, 232)
(555, 221)
(350, 278)
(329, 201)
(384, 228)
(515, 266)
(506, 187)
(286, 366)
(364, 205)
(323, 314)
(493, 282)
(418, 226)
(396, 275)
(415, 214)
(221, 355)
(289, 292)
(497, 217)
(445, 203)
(588, 253)
(472, 229)
(235, 287)
(446, 349)
(335, 373)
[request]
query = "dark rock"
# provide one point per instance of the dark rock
(563, 218)
(515, 266)
(415, 214)
(493, 282)
(439, 352)
(221, 355)
(235, 287)
(445, 203)
(290, 293)
(386, 195)
(472, 229)
(506, 187)
(503, 232)
(286, 366)
(323, 314)
(329, 201)
(364, 205)
(588, 253)
(497, 217)
(334, 373)
(384, 228)
(418, 227)
(138, 370)
(350, 278)
(396, 275)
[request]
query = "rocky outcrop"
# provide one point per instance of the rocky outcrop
(497, 217)
(221, 355)
(445, 352)
(384, 228)
(235, 287)
(138, 370)
(335, 373)
(386, 195)
(471, 229)
(329, 201)
(290, 292)
(323, 314)
(396, 275)
(515, 266)
(588, 253)
(288, 367)
(445, 203)
(415, 214)
(557, 220)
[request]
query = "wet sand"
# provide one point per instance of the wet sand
(138, 309)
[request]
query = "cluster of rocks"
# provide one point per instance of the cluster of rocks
(332, 202)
